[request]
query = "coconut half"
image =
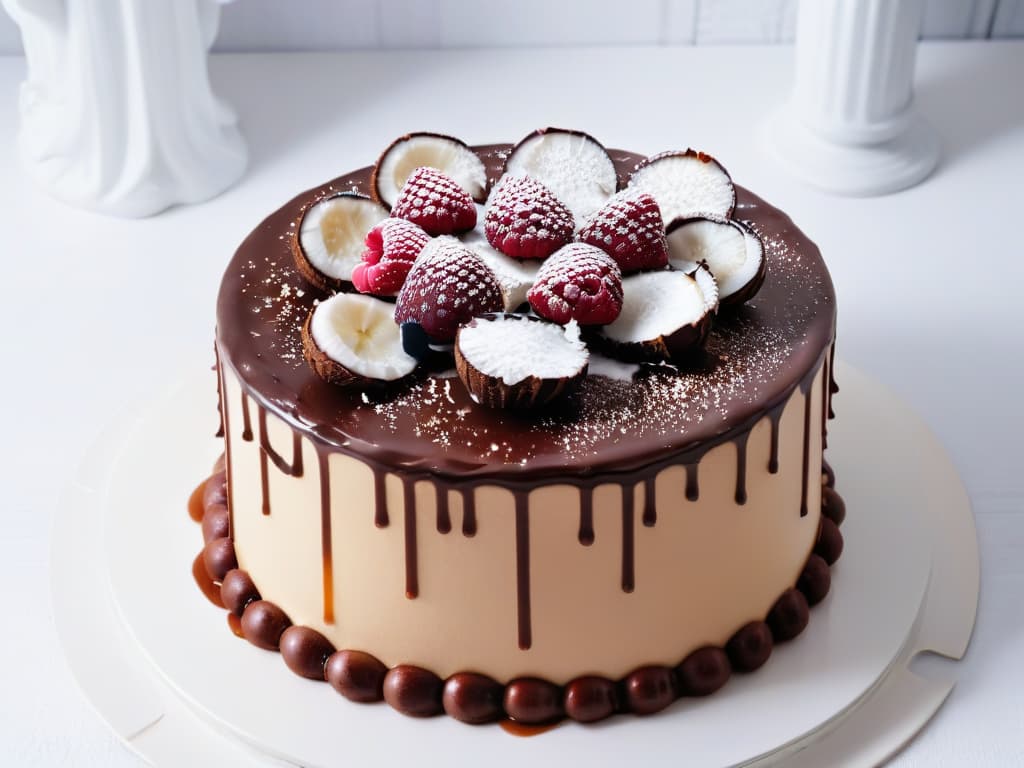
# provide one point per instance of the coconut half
(665, 316)
(519, 362)
(732, 251)
(686, 184)
(573, 165)
(330, 238)
(453, 157)
(353, 338)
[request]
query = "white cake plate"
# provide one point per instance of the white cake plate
(161, 666)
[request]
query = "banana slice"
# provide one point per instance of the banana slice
(453, 157)
(351, 339)
(686, 184)
(329, 241)
(732, 251)
(573, 165)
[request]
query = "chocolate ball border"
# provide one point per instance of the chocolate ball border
(476, 699)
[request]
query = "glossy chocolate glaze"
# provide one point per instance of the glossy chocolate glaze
(757, 354)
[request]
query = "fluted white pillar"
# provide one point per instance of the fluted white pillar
(850, 126)
(117, 113)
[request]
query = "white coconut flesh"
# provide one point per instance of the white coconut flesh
(732, 252)
(574, 167)
(359, 332)
(684, 185)
(453, 158)
(657, 304)
(514, 348)
(515, 276)
(333, 233)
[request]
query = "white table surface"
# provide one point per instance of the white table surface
(97, 313)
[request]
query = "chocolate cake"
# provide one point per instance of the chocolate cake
(598, 523)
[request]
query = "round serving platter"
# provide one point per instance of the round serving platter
(161, 665)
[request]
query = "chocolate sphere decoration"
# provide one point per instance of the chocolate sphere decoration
(237, 591)
(750, 647)
(591, 698)
(473, 698)
(263, 623)
(830, 541)
(215, 522)
(533, 701)
(305, 651)
(789, 616)
(828, 476)
(413, 691)
(815, 580)
(219, 557)
(832, 505)
(649, 690)
(356, 675)
(703, 672)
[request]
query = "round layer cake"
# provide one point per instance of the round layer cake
(632, 543)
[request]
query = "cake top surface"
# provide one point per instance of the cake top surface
(621, 418)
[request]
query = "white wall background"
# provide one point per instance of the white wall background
(294, 25)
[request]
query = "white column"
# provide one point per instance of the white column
(117, 113)
(850, 126)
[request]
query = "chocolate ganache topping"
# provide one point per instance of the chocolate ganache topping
(756, 356)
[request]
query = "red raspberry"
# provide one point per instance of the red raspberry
(447, 287)
(581, 283)
(391, 248)
(436, 203)
(526, 221)
(629, 228)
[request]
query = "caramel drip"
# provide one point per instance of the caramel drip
(628, 544)
(774, 417)
(195, 503)
(246, 418)
(380, 499)
(692, 487)
(650, 517)
(807, 453)
(741, 468)
(523, 569)
(468, 512)
(325, 536)
(412, 587)
(833, 388)
(227, 447)
(523, 730)
(209, 588)
(586, 534)
(444, 518)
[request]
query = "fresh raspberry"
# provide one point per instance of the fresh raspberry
(435, 202)
(629, 228)
(391, 248)
(526, 221)
(447, 286)
(579, 282)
